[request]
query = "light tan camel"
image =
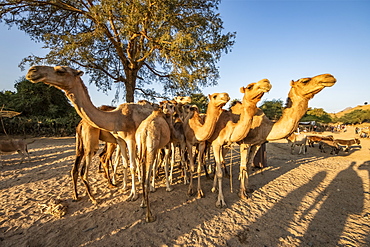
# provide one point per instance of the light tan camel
(232, 127)
(152, 134)
(87, 144)
(121, 122)
(264, 130)
(197, 132)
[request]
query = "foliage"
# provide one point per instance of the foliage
(273, 109)
(201, 101)
(316, 114)
(355, 117)
(138, 42)
(44, 110)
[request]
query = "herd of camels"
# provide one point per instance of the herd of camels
(142, 130)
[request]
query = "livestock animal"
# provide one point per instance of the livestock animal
(297, 139)
(311, 139)
(16, 145)
(348, 143)
(329, 143)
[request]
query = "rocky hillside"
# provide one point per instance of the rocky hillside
(349, 109)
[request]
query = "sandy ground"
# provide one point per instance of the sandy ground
(315, 199)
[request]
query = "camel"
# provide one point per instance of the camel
(232, 127)
(152, 134)
(197, 132)
(121, 122)
(87, 144)
(264, 130)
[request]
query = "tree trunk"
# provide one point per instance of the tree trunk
(130, 85)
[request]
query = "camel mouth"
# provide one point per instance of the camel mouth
(34, 78)
(259, 96)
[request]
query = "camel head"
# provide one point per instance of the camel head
(167, 107)
(218, 99)
(183, 100)
(254, 91)
(309, 87)
(62, 77)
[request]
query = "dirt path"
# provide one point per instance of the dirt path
(314, 199)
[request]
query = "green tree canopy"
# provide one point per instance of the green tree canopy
(137, 42)
(201, 101)
(36, 100)
(273, 109)
(316, 114)
(355, 117)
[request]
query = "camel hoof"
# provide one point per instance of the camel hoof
(243, 195)
(132, 198)
(213, 189)
(111, 186)
(95, 202)
(200, 194)
(191, 192)
(221, 204)
(169, 189)
(150, 219)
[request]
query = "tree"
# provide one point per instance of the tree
(44, 110)
(273, 109)
(355, 117)
(138, 42)
(36, 100)
(316, 114)
(201, 101)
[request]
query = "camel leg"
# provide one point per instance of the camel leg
(132, 157)
(173, 153)
(146, 172)
(217, 152)
(246, 160)
(74, 175)
(191, 168)
(155, 168)
(202, 147)
(84, 176)
(107, 161)
(184, 163)
(166, 159)
(224, 151)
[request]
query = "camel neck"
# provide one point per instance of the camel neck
(204, 131)
(81, 101)
(242, 127)
(289, 120)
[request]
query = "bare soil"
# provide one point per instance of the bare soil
(316, 199)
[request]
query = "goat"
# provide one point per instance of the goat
(329, 143)
(297, 139)
(348, 143)
(16, 145)
(312, 139)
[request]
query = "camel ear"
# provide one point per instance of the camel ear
(292, 83)
(242, 89)
(79, 73)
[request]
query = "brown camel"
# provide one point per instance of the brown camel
(197, 132)
(152, 134)
(232, 127)
(264, 130)
(121, 122)
(87, 144)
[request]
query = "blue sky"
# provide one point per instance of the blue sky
(278, 40)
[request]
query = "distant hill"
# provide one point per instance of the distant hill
(349, 109)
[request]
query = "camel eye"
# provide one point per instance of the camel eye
(305, 80)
